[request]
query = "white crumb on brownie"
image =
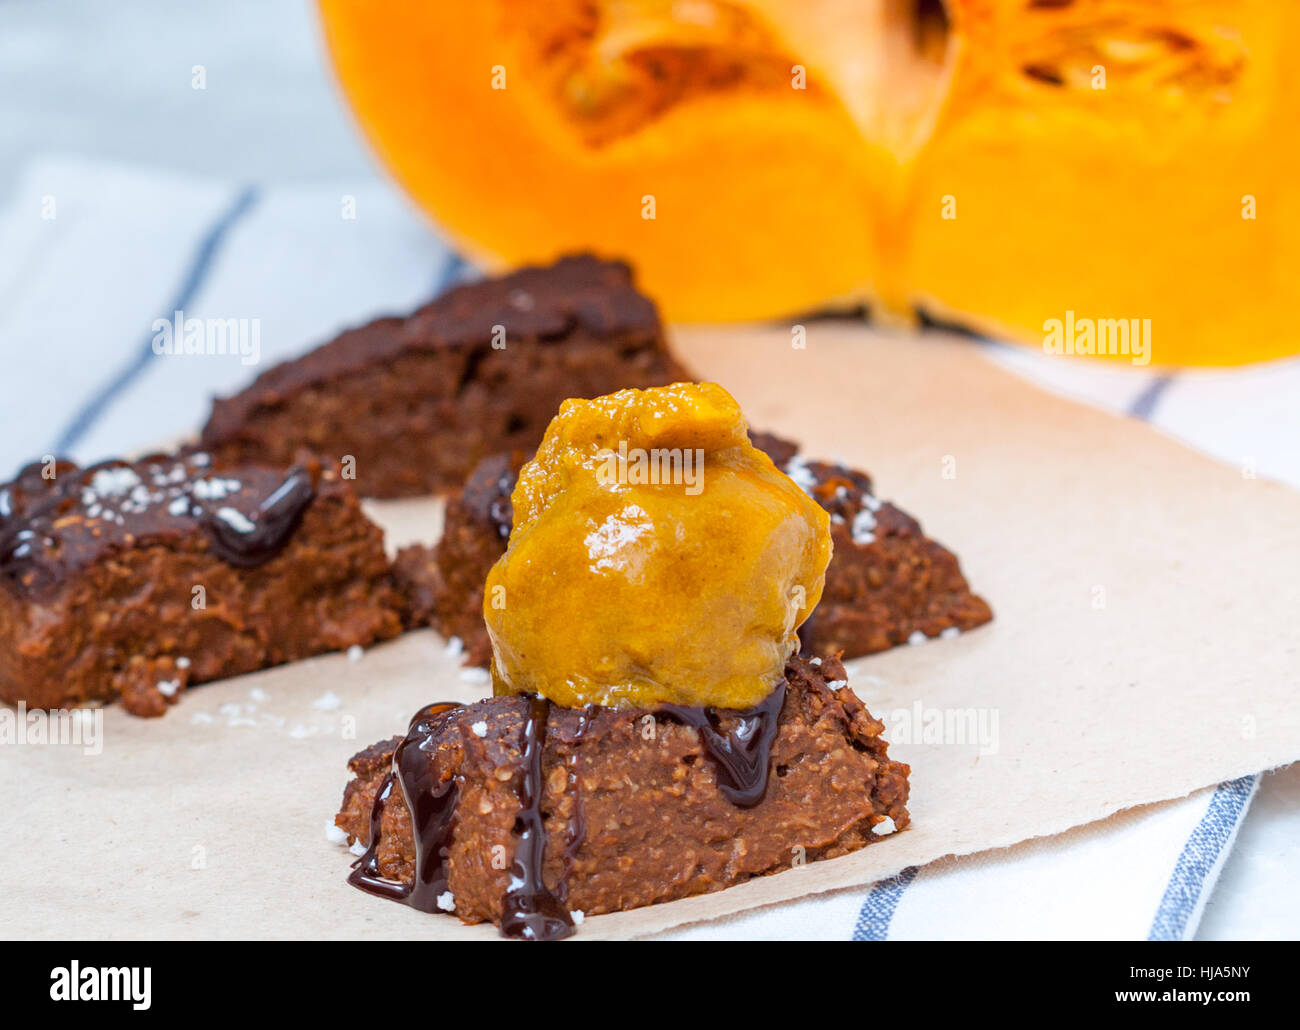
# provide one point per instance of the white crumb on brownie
(884, 827)
(113, 481)
(863, 529)
(578, 916)
(479, 729)
(950, 633)
(214, 489)
(358, 849)
(917, 637)
(356, 652)
(447, 901)
(837, 684)
(797, 469)
(168, 688)
(335, 834)
(455, 647)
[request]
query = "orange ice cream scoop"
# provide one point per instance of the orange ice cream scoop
(656, 557)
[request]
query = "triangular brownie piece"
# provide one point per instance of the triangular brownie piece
(416, 402)
(887, 584)
(633, 806)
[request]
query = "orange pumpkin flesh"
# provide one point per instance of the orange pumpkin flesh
(794, 153)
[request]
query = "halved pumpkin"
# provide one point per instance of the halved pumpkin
(992, 163)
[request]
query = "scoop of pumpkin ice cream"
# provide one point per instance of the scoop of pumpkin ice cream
(656, 557)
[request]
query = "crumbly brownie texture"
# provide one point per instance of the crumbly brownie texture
(418, 401)
(443, 585)
(886, 580)
(133, 580)
(632, 808)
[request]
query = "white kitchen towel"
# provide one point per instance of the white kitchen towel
(95, 253)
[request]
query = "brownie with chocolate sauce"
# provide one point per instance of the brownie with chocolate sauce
(887, 583)
(532, 816)
(132, 580)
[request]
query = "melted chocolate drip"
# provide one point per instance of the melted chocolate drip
(577, 830)
(433, 809)
(251, 542)
(742, 756)
(19, 515)
(365, 870)
(530, 911)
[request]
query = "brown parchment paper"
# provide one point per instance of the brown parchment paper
(1145, 645)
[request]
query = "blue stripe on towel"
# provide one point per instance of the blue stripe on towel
(195, 275)
(878, 910)
(1201, 853)
(1199, 858)
(1145, 402)
(453, 272)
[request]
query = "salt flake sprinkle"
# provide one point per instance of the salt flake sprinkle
(327, 702)
(797, 469)
(475, 676)
(863, 528)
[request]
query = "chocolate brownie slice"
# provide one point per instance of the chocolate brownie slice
(416, 402)
(886, 582)
(443, 585)
(133, 580)
(524, 807)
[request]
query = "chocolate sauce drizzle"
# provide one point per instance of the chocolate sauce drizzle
(433, 813)
(54, 519)
(19, 515)
(742, 756)
(252, 542)
(530, 911)
(577, 829)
